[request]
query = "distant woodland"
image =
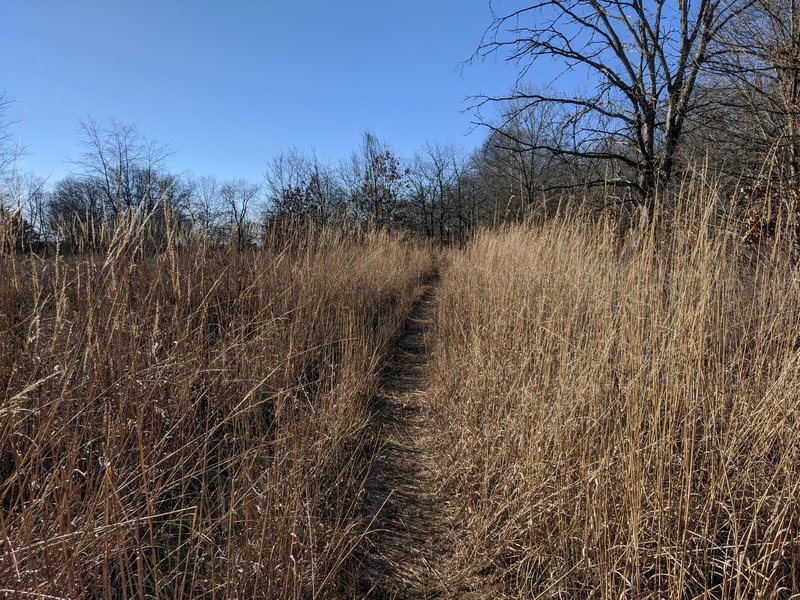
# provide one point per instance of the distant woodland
(667, 88)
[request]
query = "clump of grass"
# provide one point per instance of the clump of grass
(620, 421)
(192, 421)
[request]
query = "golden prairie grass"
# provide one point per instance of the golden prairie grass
(192, 422)
(608, 421)
(620, 422)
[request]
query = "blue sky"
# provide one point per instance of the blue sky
(227, 84)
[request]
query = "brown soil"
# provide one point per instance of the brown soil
(408, 539)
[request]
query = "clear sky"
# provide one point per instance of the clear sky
(228, 83)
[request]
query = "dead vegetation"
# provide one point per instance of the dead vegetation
(572, 417)
(621, 422)
(193, 422)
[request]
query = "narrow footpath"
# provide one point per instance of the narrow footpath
(408, 538)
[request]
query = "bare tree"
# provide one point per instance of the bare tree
(377, 182)
(30, 194)
(22, 210)
(74, 212)
(126, 165)
(437, 196)
(756, 78)
(300, 187)
(239, 197)
(206, 209)
(10, 147)
(21, 194)
(642, 60)
(516, 170)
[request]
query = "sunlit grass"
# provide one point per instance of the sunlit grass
(192, 421)
(620, 422)
(609, 419)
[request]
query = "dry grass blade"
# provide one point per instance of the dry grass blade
(620, 421)
(192, 421)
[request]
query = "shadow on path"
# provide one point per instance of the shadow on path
(406, 541)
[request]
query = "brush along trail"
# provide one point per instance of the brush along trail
(408, 536)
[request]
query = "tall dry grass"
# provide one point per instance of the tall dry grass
(620, 422)
(192, 422)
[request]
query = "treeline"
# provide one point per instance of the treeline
(441, 193)
(650, 89)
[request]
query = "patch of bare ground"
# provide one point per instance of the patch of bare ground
(403, 553)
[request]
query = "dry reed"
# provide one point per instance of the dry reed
(620, 422)
(191, 422)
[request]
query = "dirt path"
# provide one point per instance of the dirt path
(408, 536)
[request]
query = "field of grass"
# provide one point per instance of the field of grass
(616, 425)
(193, 423)
(602, 419)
